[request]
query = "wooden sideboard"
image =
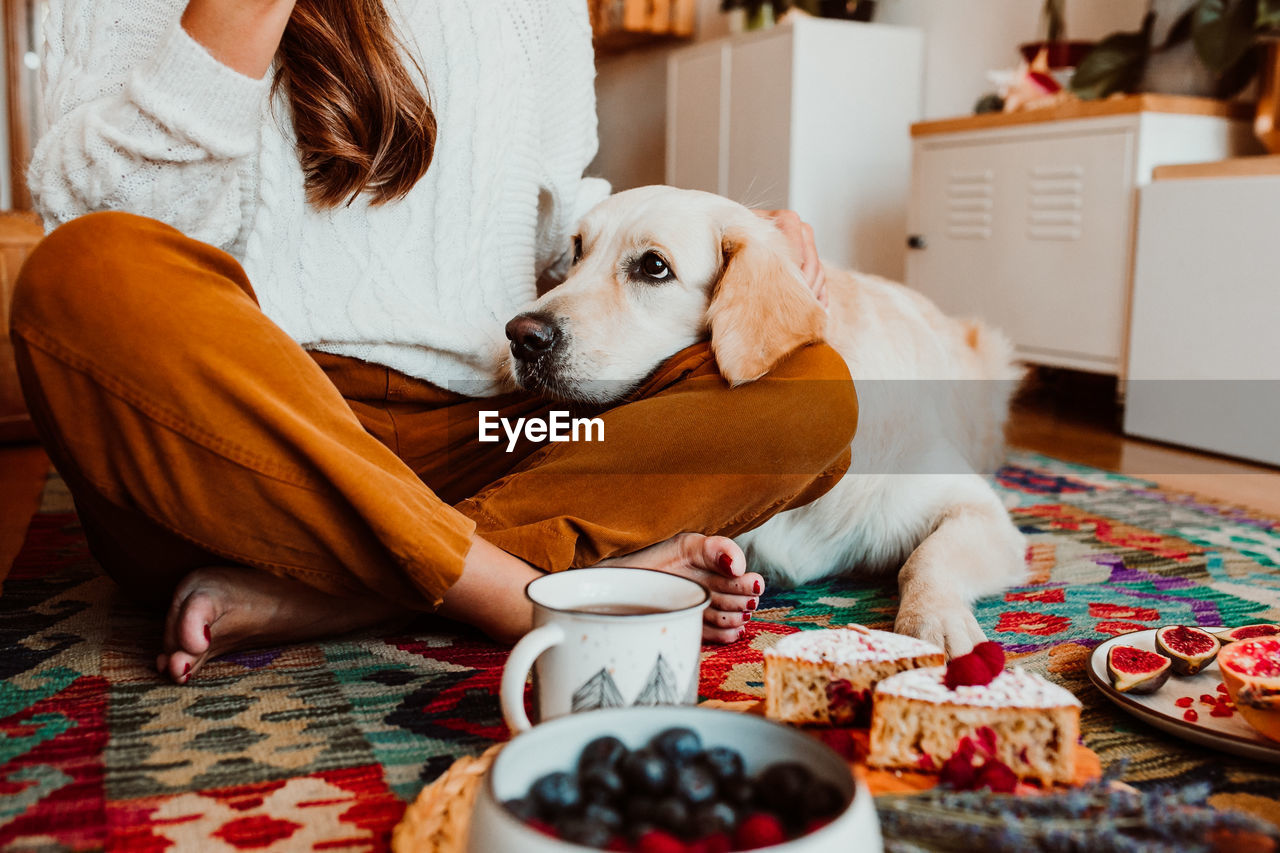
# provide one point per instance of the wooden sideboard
(19, 232)
(1029, 220)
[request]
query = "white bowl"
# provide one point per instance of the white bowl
(555, 745)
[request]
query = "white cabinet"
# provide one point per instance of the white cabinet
(1204, 357)
(1029, 224)
(814, 116)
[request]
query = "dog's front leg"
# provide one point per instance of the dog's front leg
(974, 551)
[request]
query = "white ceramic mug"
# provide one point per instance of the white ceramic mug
(586, 654)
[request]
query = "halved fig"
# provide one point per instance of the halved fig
(1189, 649)
(1251, 671)
(1134, 670)
(1248, 632)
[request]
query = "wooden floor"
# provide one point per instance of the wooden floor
(1073, 419)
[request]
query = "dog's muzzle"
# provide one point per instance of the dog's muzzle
(532, 336)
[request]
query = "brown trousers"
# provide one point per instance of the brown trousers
(192, 431)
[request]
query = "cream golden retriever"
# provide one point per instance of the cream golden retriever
(657, 269)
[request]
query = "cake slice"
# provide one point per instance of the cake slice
(919, 722)
(827, 676)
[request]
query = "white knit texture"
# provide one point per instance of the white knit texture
(144, 120)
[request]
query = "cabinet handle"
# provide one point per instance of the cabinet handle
(917, 241)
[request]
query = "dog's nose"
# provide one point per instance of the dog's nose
(532, 335)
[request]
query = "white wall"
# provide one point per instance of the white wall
(964, 39)
(631, 93)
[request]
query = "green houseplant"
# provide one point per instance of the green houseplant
(1060, 52)
(1229, 37)
(1235, 41)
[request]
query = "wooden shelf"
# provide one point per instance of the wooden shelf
(1237, 167)
(1175, 104)
(619, 25)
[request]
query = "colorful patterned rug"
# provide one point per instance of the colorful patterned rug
(317, 747)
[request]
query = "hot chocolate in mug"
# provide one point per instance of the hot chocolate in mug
(606, 638)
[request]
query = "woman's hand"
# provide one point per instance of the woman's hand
(800, 235)
(241, 34)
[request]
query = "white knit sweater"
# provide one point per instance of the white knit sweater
(143, 119)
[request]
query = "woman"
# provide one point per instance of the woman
(261, 373)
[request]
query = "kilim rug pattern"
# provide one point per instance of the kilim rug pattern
(316, 747)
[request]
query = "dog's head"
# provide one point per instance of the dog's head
(655, 269)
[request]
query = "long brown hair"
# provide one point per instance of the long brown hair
(362, 124)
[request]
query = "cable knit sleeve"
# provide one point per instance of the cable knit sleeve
(144, 119)
(567, 103)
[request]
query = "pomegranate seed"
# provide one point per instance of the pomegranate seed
(1184, 702)
(1221, 688)
(1207, 699)
(1221, 711)
(1191, 716)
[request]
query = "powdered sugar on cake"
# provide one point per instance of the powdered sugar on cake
(1013, 688)
(850, 645)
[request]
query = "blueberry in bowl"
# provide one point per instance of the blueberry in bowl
(678, 779)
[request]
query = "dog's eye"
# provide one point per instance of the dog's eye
(577, 248)
(654, 267)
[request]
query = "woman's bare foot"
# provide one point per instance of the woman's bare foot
(717, 563)
(223, 609)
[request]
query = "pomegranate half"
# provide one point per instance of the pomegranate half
(1251, 671)
(1248, 632)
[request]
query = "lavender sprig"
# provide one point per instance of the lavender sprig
(1101, 817)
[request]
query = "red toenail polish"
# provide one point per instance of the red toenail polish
(207, 635)
(742, 632)
(746, 617)
(186, 669)
(757, 587)
(726, 562)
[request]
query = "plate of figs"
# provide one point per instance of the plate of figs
(1170, 677)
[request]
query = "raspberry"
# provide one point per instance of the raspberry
(967, 669)
(815, 824)
(1184, 702)
(957, 771)
(992, 655)
(718, 843)
(657, 841)
(759, 830)
(986, 738)
(543, 827)
(997, 776)
(1191, 716)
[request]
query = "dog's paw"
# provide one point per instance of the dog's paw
(952, 629)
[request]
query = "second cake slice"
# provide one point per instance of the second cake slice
(828, 676)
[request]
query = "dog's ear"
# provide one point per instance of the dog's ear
(760, 308)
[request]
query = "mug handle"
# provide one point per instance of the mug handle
(516, 673)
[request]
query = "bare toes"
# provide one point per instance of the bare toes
(739, 603)
(718, 554)
(725, 618)
(192, 635)
(722, 636)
